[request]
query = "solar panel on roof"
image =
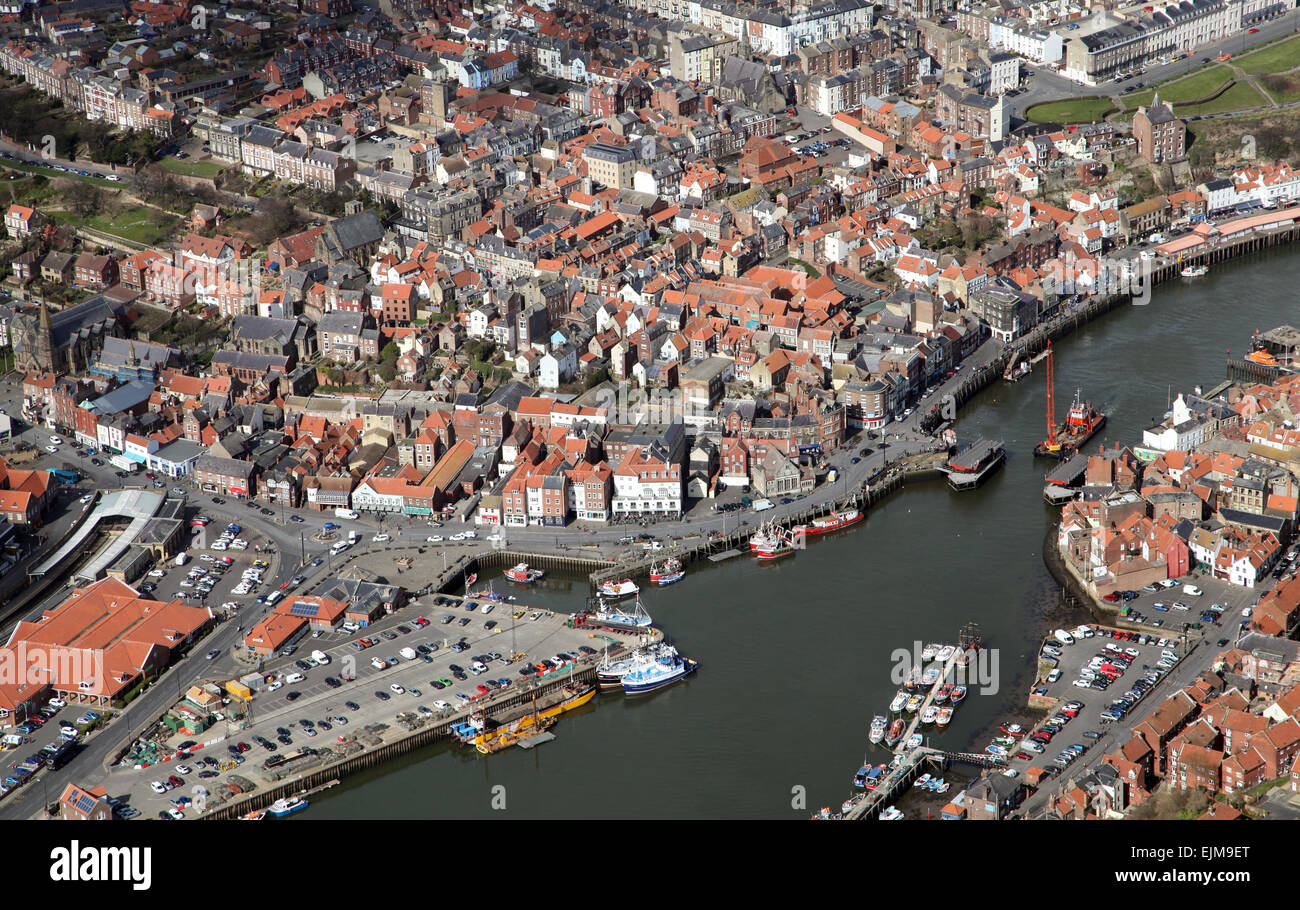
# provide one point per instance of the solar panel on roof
(304, 608)
(85, 802)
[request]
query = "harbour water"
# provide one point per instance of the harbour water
(796, 656)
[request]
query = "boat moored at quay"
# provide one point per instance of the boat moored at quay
(971, 467)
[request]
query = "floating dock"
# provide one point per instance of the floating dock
(1061, 480)
(972, 465)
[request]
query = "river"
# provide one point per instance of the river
(796, 657)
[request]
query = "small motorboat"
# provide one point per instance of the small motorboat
(892, 814)
(928, 652)
(877, 732)
(523, 574)
(913, 702)
(930, 714)
(945, 654)
(942, 695)
(958, 695)
(1012, 729)
(931, 676)
(1194, 271)
(914, 741)
(944, 717)
(899, 701)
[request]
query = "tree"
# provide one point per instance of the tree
(87, 201)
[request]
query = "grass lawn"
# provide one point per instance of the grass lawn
(207, 169)
(1282, 89)
(1240, 96)
(1278, 58)
(1188, 88)
(1076, 110)
(139, 224)
(26, 190)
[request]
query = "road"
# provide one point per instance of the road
(1046, 85)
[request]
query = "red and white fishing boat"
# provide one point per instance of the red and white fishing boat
(668, 572)
(782, 544)
(766, 536)
(522, 574)
(840, 518)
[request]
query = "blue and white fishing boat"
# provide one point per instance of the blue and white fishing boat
(282, 807)
(636, 618)
(649, 674)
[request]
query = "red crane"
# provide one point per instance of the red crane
(1051, 401)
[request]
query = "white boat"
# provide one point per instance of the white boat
(1194, 271)
(892, 814)
(913, 702)
(945, 654)
(945, 716)
(931, 676)
(617, 589)
(282, 807)
(899, 701)
(649, 674)
(928, 652)
(929, 715)
(914, 741)
(877, 732)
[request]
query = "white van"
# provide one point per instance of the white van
(182, 558)
(408, 653)
(293, 678)
(1063, 637)
(320, 657)
(345, 513)
(339, 547)
(1191, 591)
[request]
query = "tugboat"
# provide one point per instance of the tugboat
(668, 573)
(522, 574)
(1083, 422)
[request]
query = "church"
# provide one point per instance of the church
(67, 341)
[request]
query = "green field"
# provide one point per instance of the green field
(1076, 110)
(206, 169)
(1282, 89)
(1187, 88)
(1240, 97)
(1276, 59)
(138, 224)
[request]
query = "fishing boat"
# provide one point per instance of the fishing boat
(1012, 729)
(941, 696)
(282, 807)
(914, 741)
(617, 589)
(895, 733)
(892, 814)
(996, 750)
(650, 674)
(847, 806)
(945, 654)
(523, 575)
(667, 573)
(486, 594)
(900, 699)
(930, 714)
(636, 618)
(945, 717)
(610, 673)
(1018, 372)
(928, 652)
(877, 732)
(913, 702)
(958, 695)
(514, 735)
(780, 549)
(766, 536)
(860, 779)
(1194, 271)
(874, 777)
(931, 676)
(470, 579)
(839, 519)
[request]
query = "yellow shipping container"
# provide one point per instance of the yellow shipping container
(239, 690)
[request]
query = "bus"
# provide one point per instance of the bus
(65, 476)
